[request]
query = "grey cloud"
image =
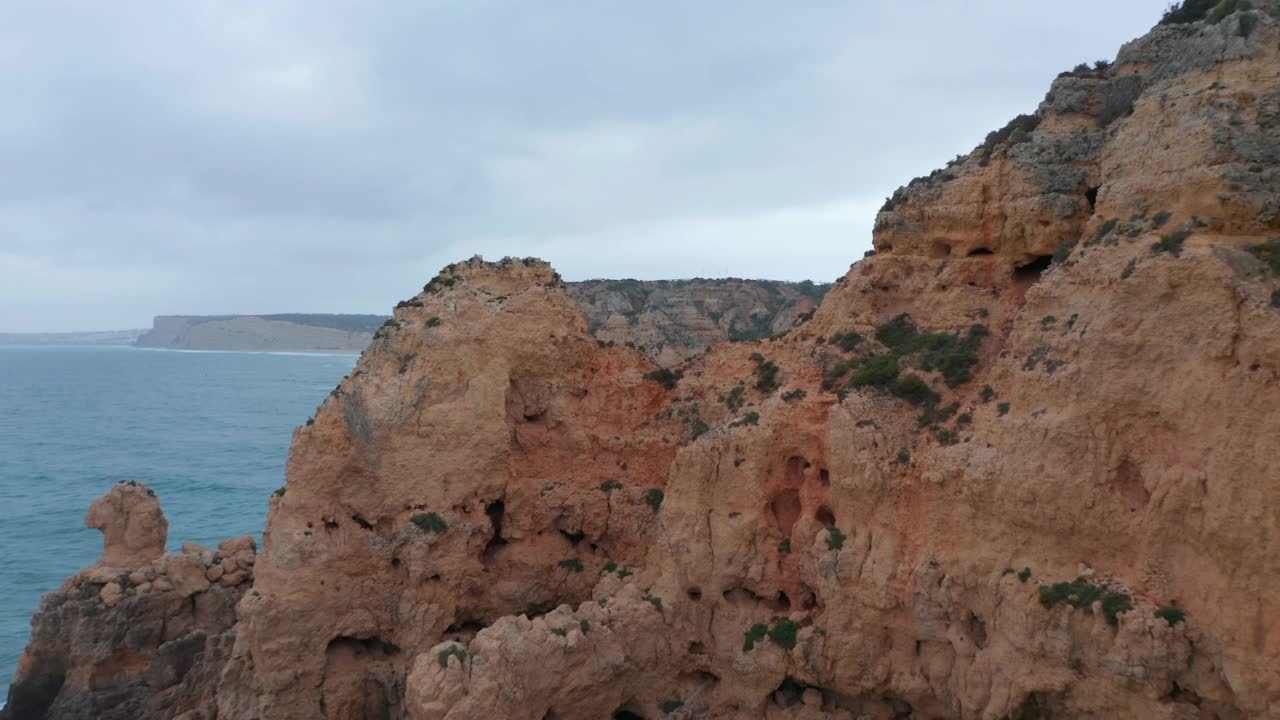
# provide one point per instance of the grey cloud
(327, 156)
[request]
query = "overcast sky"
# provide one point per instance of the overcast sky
(316, 156)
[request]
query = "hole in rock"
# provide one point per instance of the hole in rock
(696, 648)
(359, 520)
(701, 678)
(808, 599)
(573, 538)
(980, 251)
(1031, 271)
(795, 470)
(496, 511)
(825, 516)
(534, 417)
(786, 510)
(781, 603)
(939, 249)
(695, 594)
(789, 693)
(330, 524)
(1092, 196)
(395, 562)
(464, 631)
(977, 631)
(824, 477)
(623, 713)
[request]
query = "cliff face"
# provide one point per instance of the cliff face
(977, 483)
(673, 320)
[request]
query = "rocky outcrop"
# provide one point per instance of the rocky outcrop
(996, 474)
(141, 634)
(673, 320)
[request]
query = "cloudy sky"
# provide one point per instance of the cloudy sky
(325, 156)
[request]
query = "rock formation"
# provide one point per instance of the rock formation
(1016, 465)
(141, 634)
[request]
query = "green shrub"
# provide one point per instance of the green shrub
(767, 376)
(280, 491)
(666, 377)
(573, 564)
(655, 497)
(797, 394)
(879, 370)
(653, 600)
(429, 522)
(1227, 7)
(1171, 243)
(783, 633)
(915, 391)
(903, 457)
(1188, 11)
(1063, 253)
(670, 706)
(1003, 408)
(964, 419)
(835, 538)
(609, 486)
(1082, 594)
(987, 394)
(559, 631)
(697, 428)
(609, 567)
(784, 547)
(1171, 614)
(846, 341)
(1160, 218)
(1024, 574)
(751, 418)
(624, 573)
(454, 650)
(584, 626)
(1269, 253)
(1129, 268)
(1114, 603)
(735, 399)
(755, 635)
(433, 322)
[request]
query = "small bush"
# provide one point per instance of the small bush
(670, 706)
(1003, 408)
(1269, 253)
(879, 370)
(559, 631)
(433, 322)
(666, 377)
(653, 600)
(1188, 11)
(1024, 574)
(655, 497)
(797, 394)
(624, 572)
(573, 564)
(1227, 7)
(915, 391)
(697, 428)
(964, 419)
(1171, 614)
(1082, 594)
(846, 341)
(1160, 218)
(783, 633)
(452, 650)
(1171, 243)
(1129, 268)
(429, 522)
(751, 418)
(1063, 253)
(609, 567)
(609, 486)
(987, 394)
(767, 376)
(735, 399)
(584, 626)
(280, 491)
(784, 547)
(755, 635)
(1114, 603)
(835, 538)
(903, 457)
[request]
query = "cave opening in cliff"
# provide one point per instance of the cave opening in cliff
(495, 510)
(980, 251)
(1030, 272)
(1092, 196)
(786, 510)
(825, 516)
(624, 714)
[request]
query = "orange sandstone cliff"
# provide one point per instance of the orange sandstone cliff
(1018, 464)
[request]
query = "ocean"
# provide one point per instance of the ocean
(208, 431)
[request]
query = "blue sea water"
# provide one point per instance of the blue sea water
(208, 431)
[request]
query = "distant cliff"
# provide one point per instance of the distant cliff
(102, 337)
(280, 333)
(668, 320)
(673, 320)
